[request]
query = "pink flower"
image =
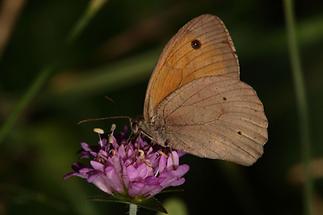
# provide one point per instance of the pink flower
(132, 168)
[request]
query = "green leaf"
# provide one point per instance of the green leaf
(172, 190)
(152, 204)
(110, 199)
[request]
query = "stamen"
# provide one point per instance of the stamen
(113, 127)
(173, 160)
(141, 153)
(100, 159)
(148, 163)
(157, 172)
(112, 152)
(162, 153)
(99, 131)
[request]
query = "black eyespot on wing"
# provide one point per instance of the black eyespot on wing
(196, 44)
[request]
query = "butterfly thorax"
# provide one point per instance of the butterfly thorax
(155, 130)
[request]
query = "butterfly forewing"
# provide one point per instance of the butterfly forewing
(203, 47)
(215, 117)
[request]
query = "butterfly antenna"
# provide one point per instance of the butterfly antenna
(109, 99)
(104, 118)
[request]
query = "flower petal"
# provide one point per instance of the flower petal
(97, 165)
(135, 189)
(132, 173)
(101, 182)
(162, 163)
(114, 180)
(173, 160)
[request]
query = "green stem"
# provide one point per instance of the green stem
(301, 103)
(92, 9)
(44, 75)
(133, 209)
(24, 101)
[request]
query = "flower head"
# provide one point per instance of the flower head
(130, 167)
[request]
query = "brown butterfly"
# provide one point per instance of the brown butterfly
(195, 101)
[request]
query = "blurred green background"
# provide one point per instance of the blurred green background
(111, 53)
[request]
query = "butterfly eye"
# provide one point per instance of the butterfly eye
(196, 44)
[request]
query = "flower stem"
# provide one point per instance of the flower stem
(132, 209)
(301, 103)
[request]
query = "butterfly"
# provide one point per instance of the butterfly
(195, 101)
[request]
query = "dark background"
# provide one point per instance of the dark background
(113, 56)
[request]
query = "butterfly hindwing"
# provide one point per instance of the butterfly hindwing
(216, 117)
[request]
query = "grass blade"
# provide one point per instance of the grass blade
(304, 125)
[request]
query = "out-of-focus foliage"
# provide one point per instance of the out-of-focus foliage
(113, 56)
(175, 206)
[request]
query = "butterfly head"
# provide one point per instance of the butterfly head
(150, 129)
